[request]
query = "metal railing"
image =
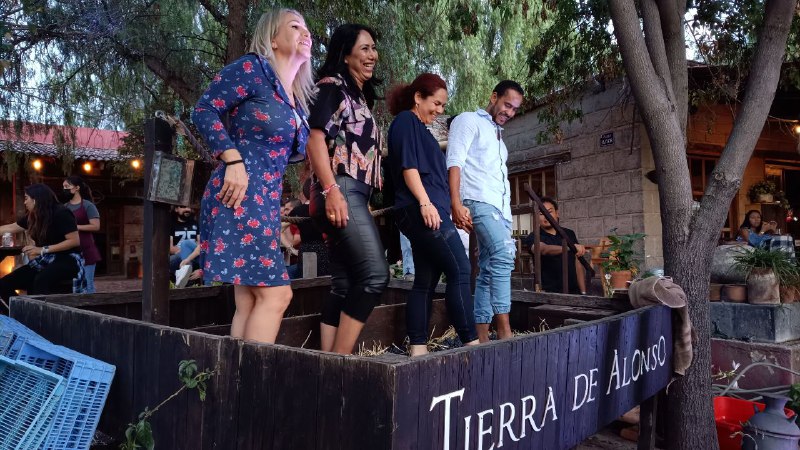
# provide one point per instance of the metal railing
(566, 245)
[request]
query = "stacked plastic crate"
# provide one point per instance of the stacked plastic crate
(28, 397)
(87, 382)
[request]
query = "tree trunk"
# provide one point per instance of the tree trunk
(689, 238)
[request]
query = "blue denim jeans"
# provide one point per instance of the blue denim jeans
(408, 255)
(496, 252)
(88, 271)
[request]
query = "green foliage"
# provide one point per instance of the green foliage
(760, 188)
(781, 264)
(621, 253)
(139, 434)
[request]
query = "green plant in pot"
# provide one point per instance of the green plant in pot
(623, 259)
(767, 271)
(762, 191)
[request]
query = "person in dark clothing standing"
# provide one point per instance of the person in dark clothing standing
(422, 205)
(55, 255)
(88, 219)
(550, 239)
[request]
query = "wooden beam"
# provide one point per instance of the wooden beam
(584, 301)
(157, 223)
(538, 163)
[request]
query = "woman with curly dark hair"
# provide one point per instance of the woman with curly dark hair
(55, 256)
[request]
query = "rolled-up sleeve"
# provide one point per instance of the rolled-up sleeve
(233, 85)
(459, 139)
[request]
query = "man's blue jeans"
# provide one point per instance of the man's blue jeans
(408, 255)
(496, 252)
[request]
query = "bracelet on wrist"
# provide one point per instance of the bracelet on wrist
(425, 204)
(327, 190)
(230, 163)
(44, 250)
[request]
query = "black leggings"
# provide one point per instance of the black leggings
(358, 267)
(39, 282)
(436, 252)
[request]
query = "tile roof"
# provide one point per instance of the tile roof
(55, 140)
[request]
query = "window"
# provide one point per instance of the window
(543, 182)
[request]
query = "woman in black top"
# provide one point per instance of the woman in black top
(422, 210)
(55, 256)
(344, 149)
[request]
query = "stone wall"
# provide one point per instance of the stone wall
(603, 186)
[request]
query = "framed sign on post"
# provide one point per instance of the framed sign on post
(171, 179)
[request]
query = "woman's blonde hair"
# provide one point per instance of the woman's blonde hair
(266, 28)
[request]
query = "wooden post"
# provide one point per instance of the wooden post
(564, 267)
(309, 265)
(647, 424)
(155, 283)
(537, 254)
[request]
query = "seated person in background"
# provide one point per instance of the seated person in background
(311, 239)
(550, 243)
(183, 237)
(290, 234)
(753, 231)
(55, 256)
(192, 274)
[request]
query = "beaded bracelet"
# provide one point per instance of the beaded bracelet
(327, 190)
(230, 163)
(425, 204)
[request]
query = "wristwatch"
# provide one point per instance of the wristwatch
(45, 249)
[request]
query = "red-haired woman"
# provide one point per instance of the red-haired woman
(422, 207)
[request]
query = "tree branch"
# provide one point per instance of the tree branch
(651, 22)
(215, 13)
(672, 13)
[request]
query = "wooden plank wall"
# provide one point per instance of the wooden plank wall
(498, 379)
(264, 396)
(273, 396)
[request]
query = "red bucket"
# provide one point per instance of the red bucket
(730, 413)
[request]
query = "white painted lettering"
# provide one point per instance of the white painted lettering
(592, 384)
(580, 386)
(662, 347)
(625, 373)
(636, 369)
(527, 416)
(447, 397)
(614, 374)
(482, 431)
(550, 406)
(505, 423)
(646, 359)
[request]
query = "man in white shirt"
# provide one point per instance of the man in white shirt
(480, 197)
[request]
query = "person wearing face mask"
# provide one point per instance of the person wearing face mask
(88, 219)
(480, 197)
(422, 210)
(344, 149)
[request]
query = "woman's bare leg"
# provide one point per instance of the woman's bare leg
(265, 318)
(244, 306)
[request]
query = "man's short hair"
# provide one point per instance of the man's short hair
(505, 85)
(551, 201)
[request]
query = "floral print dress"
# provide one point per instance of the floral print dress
(242, 245)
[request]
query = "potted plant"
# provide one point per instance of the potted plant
(766, 270)
(762, 192)
(622, 263)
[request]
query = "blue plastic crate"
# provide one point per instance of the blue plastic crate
(87, 381)
(28, 400)
(13, 335)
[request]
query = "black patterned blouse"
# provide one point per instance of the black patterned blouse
(354, 140)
